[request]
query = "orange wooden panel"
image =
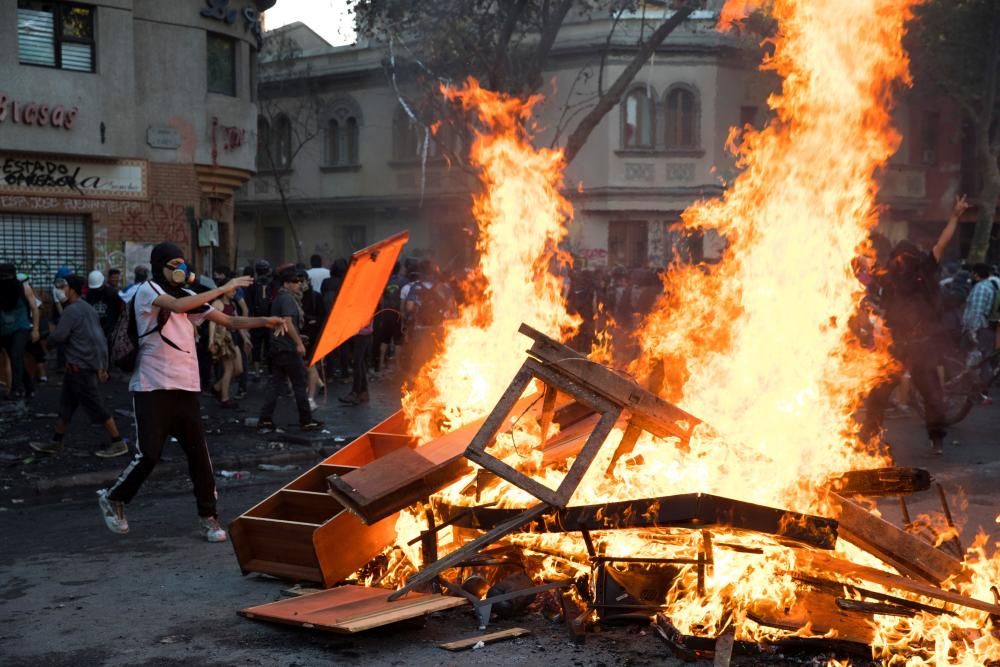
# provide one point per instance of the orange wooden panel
(349, 609)
(366, 278)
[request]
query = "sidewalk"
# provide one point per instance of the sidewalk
(234, 445)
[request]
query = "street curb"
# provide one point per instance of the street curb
(100, 478)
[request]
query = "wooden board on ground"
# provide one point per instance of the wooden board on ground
(905, 552)
(350, 609)
(462, 644)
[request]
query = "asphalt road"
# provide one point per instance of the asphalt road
(71, 593)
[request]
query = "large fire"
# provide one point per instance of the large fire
(758, 345)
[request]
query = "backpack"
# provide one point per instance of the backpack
(994, 314)
(391, 297)
(259, 298)
(432, 303)
(125, 337)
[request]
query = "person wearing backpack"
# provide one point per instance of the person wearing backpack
(165, 384)
(86, 350)
(976, 330)
(427, 303)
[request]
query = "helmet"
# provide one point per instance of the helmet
(95, 279)
(64, 271)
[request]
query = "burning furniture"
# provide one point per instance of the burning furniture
(832, 599)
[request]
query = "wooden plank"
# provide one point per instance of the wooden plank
(816, 609)
(654, 414)
(905, 552)
(405, 476)
(824, 563)
(489, 638)
(548, 410)
(350, 609)
(344, 544)
(627, 444)
(428, 574)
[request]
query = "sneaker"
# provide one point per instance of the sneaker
(350, 399)
(113, 513)
(113, 450)
(50, 448)
(984, 399)
(312, 425)
(211, 530)
(266, 426)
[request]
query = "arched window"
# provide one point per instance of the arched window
(682, 116)
(263, 140)
(407, 137)
(281, 142)
(342, 135)
(637, 120)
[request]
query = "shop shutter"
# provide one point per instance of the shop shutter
(39, 244)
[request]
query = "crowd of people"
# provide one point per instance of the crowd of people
(189, 334)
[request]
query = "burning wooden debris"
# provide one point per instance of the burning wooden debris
(488, 555)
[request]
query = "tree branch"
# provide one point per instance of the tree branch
(617, 90)
(499, 69)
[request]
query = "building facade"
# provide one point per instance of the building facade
(362, 174)
(124, 123)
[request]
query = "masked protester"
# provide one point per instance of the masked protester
(911, 303)
(165, 384)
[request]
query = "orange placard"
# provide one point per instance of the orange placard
(366, 278)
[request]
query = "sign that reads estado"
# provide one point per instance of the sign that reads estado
(55, 176)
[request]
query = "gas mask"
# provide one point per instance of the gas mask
(181, 275)
(59, 294)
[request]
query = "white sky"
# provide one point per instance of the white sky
(329, 18)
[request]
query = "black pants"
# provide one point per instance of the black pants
(287, 366)
(360, 345)
(15, 344)
(158, 415)
(80, 388)
(924, 375)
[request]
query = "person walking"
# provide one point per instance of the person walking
(222, 347)
(976, 327)
(19, 325)
(317, 273)
(86, 350)
(287, 354)
(165, 384)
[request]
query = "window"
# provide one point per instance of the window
(281, 142)
(627, 243)
(407, 139)
(342, 136)
(221, 64)
(263, 141)
(637, 120)
(55, 34)
(682, 118)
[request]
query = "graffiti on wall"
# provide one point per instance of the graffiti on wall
(122, 178)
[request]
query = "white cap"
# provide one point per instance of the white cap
(95, 279)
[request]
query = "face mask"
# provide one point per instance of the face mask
(180, 275)
(60, 295)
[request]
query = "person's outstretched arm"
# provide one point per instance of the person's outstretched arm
(961, 204)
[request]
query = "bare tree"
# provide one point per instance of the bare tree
(508, 45)
(292, 110)
(955, 46)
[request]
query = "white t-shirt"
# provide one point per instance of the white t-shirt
(317, 275)
(158, 364)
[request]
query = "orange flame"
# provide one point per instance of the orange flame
(521, 217)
